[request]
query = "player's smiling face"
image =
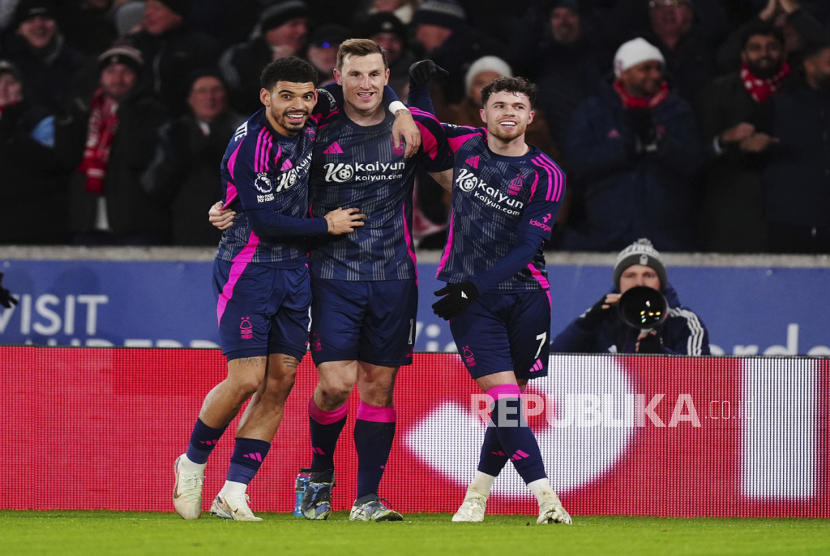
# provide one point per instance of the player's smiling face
(507, 115)
(363, 79)
(288, 105)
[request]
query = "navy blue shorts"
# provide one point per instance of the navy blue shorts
(373, 322)
(262, 310)
(504, 332)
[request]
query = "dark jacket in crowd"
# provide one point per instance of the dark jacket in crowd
(130, 210)
(691, 64)
(184, 175)
(33, 185)
(459, 51)
(796, 176)
(49, 77)
(732, 218)
(170, 58)
(683, 333)
(571, 73)
(241, 66)
(628, 195)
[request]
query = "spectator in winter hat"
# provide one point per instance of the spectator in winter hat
(601, 329)
(635, 152)
(48, 65)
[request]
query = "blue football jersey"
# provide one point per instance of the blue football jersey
(357, 166)
(494, 198)
(263, 170)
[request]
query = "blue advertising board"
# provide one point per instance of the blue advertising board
(748, 311)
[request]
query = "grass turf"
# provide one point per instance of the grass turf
(99, 533)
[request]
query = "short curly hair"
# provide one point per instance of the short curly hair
(290, 69)
(518, 85)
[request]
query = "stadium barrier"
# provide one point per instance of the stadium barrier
(99, 428)
(163, 297)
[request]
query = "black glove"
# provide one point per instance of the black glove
(457, 297)
(6, 299)
(644, 129)
(422, 72)
(594, 316)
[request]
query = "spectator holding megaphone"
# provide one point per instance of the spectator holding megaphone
(634, 319)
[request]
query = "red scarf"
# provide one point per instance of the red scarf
(761, 89)
(641, 102)
(103, 121)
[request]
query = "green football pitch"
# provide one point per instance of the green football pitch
(100, 533)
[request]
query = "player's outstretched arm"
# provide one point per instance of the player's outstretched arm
(222, 219)
(421, 74)
(344, 221)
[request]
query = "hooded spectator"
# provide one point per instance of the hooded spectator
(47, 64)
(282, 30)
(171, 50)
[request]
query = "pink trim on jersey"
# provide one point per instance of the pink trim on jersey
(269, 144)
(230, 195)
(542, 281)
(447, 249)
(457, 142)
(366, 412)
(504, 391)
(279, 154)
(427, 137)
(318, 117)
(429, 141)
(326, 417)
(557, 179)
(408, 239)
(240, 262)
(258, 158)
(232, 159)
(533, 187)
(424, 113)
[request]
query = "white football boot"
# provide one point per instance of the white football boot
(472, 509)
(553, 512)
(187, 492)
(233, 507)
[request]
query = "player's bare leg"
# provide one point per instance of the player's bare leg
(327, 411)
(373, 435)
(264, 414)
(256, 431)
(219, 408)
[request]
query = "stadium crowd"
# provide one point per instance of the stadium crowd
(114, 114)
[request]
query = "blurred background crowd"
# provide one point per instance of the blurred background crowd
(115, 114)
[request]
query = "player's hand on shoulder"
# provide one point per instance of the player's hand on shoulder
(344, 221)
(423, 71)
(405, 129)
(222, 219)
